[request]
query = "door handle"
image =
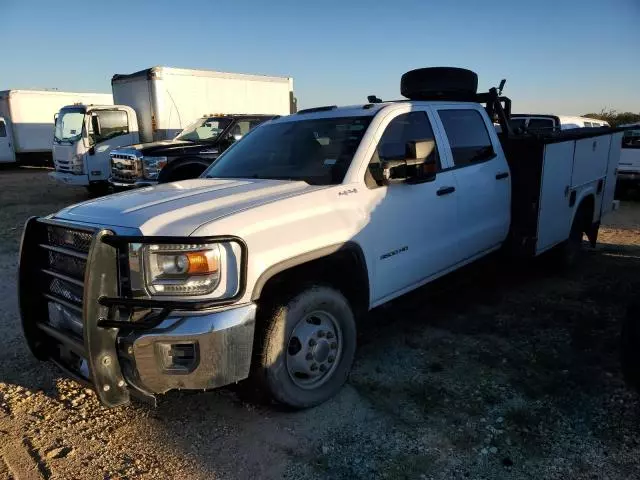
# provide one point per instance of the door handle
(445, 191)
(501, 175)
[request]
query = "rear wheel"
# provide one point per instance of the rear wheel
(569, 253)
(307, 347)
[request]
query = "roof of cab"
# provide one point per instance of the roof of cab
(363, 110)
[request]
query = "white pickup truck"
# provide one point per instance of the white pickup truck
(260, 268)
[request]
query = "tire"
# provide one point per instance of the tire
(300, 336)
(630, 347)
(569, 253)
(439, 83)
(98, 189)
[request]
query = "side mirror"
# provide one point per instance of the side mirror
(95, 125)
(418, 166)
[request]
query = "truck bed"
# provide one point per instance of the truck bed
(551, 174)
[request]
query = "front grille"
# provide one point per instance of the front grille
(72, 266)
(68, 291)
(63, 274)
(77, 240)
(125, 167)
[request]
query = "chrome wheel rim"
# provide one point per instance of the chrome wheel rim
(314, 349)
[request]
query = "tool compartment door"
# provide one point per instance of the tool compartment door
(554, 213)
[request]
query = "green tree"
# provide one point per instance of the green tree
(614, 118)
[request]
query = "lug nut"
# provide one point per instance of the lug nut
(314, 367)
(330, 359)
(106, 388)
(334, 345)
(309, 356)
(330, 335)
(130, 350)
(320, 333)
(121, 383)
(106, 360)
(312, 342)
(323, 368)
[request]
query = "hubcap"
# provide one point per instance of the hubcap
(314, 349)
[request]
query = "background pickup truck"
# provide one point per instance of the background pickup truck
(261, 267)
(184, 157)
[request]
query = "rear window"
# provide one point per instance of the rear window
(544, 124)
(467, 135)
(631, 139)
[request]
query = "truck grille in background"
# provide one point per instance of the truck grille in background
(125, 167)
(66, 166)
(63, 283)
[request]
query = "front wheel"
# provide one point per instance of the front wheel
(98, 189)
(307, 348)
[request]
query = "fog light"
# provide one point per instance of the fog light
(177, 358)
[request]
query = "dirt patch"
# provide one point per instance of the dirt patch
(500, 371)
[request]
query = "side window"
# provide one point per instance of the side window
(3, 129)
(588, 124)
(113, 123)
(468, 136)
(240, 129)
(408, 127)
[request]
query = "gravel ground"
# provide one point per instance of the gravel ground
(497, 372)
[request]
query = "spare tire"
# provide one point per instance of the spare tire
(440, 83)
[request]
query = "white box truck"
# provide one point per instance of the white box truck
(157, 104)
(27, 119)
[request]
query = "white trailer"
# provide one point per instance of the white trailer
(167, 99)
(27, 120)
(156, 104)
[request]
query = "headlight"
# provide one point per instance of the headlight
(182, 269)
(151, 167)
(77, 165)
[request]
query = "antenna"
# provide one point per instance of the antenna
(502, 82)
(373, 99)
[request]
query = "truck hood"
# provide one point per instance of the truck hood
(179, 208)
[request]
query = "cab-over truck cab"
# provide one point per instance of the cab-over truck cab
(84, 135)
(259, 268)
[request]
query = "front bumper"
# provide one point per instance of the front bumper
(628, 176)
(121, 346)
(70, 179)
(195, 352)
(135, 184)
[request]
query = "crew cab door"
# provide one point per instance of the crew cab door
(7, 154)
(482, 177)
(412, 227)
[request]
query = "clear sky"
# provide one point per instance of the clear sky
(558, 56)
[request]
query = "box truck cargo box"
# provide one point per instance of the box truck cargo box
(27, 119)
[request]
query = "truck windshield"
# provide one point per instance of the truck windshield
(69, 125)
(204, 129)
(318, 151)
(631, 139)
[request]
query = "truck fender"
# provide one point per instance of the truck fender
(174, 165)
(338, 252)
